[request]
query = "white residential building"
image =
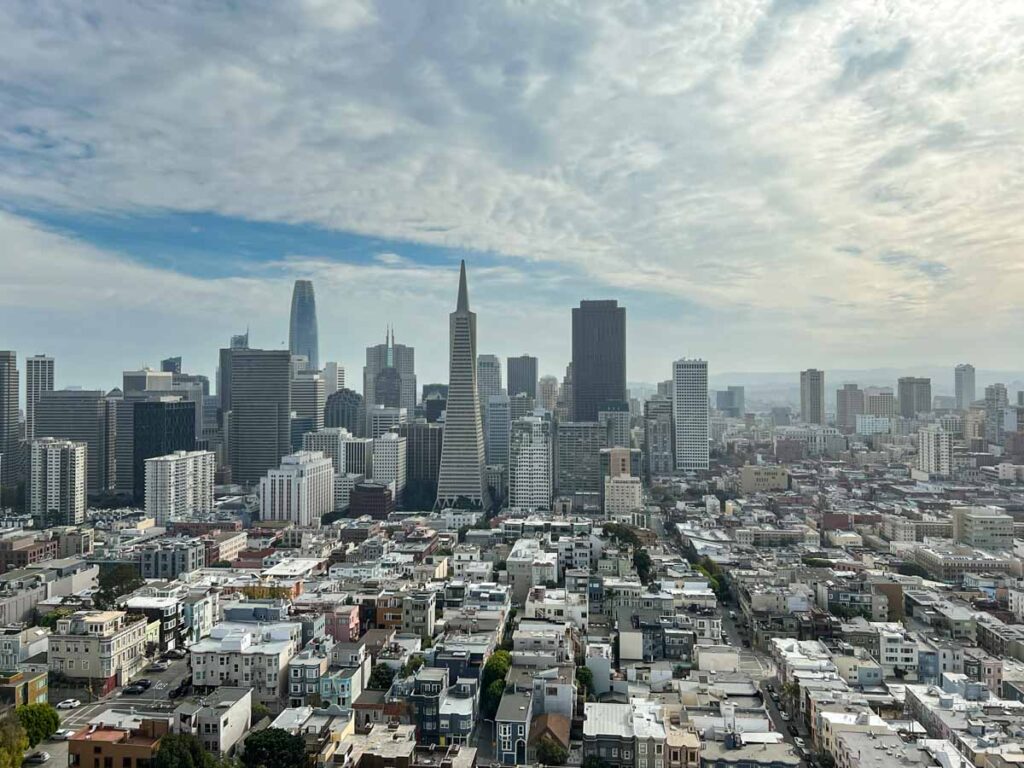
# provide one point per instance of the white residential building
(690, 413)
(935, 451)
(529, 481)
(623, 495)
(870, 424)
(179, 483)
(300, 490)
(557, 605)
(57, 483)
(389, 462)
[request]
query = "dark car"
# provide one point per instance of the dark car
(133, 690)
(144, 682)
(793, 730)
(174, 653)
(37, 758)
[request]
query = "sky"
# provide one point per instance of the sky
(768, 184)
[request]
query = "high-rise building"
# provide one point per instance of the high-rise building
(390, 355)
(240, 340)
(488, 377)
(935, 451)
(914, 395)
(330, 441)
(731, 402)
(659, 437)
(965, 390)
(812, 396)
(38, 379)
(84, 416)
(615, 419)
(520, 405)
(309, 399)
(334, 377)
(390, 453)
(564, 405)
(522, 375)
(179, 484)
(171, 365)
(345, 409)
(301, 490)
(880, 401)
(690, 413)
(530, 466)
(997, 400)
(547, 390)
(499, 429)
(422, 462)
(384, 419)
(461, 475)
(260, 399)
(302, 330)
(146, 380)
(57, 481)
(160, 427)
(10, 440)
(578, 447)
(598, 357)
(849, 405)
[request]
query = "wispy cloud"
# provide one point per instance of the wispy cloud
(709, 161)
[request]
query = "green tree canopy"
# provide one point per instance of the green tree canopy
(490, 699)
(381, 677)
(496, 668)
(114, 582)
(182, 750)
(550, 752)
(13, 742)
(274, 748)
(259, 711)
(642, 562)
(586, 679)
(40, 721)
(412, 665)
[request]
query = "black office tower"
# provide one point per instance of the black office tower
(160, 427)
(345, 409)
(598, 357)
(522, 376)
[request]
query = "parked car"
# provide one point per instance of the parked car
(746, 643)
(793, 730)
(798, 741)
(174, 653)
(64, 734)
(146, 683)
(159, 666)
(69, 704)
(786, 716)
(774, 696)
(133, 690)
(37, 758)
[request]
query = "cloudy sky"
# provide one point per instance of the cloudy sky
(770, 184)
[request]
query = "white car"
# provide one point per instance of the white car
(69, 704)
(798, 741)
(64, 734)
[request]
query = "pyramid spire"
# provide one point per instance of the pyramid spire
(462, 305)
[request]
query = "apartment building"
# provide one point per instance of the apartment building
(102, 649)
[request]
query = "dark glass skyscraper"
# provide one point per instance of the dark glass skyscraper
(598, 357)
(345, 409)
(522, 376)
(302, 333)
(160, 427)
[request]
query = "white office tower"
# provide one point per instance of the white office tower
(935, 451)
(499, 427)
(334, 377)
(179, 484)
(330, 441)
(383, 418)
(690, 413)
(38, 379)
(389, 461)
(529, 469)
(963, 376)
(300, 490)
(57, 483)
(488, 377)
(623, 497)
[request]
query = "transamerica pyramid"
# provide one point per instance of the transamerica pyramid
(461, 478)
